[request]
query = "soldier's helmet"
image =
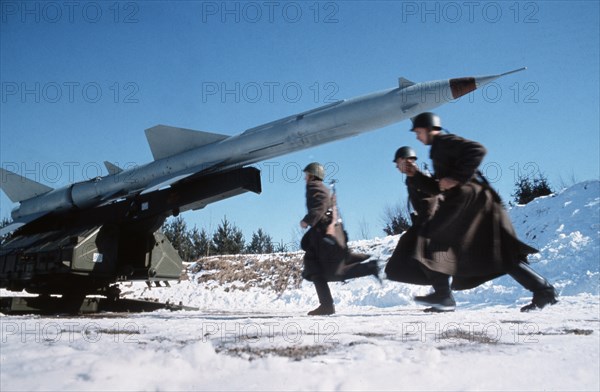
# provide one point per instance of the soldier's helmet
(405, 152)
(316, 170)
(426, 120)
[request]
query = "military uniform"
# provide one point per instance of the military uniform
(327, 257)
(403, 266)
(318, 202)
(470, 236)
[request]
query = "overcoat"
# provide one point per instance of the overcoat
(470, 236)
(402, 266)
(325, 244)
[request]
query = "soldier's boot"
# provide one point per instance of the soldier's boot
(543, 292)
(441, 300)
(322, 310)
(325, 299)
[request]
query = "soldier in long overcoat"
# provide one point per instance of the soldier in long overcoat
(402, 266)
(327, 257)
(470, 236)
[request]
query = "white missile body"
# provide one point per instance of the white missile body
(181, 153)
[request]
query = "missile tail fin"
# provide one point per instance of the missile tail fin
(19, 188)
(112, 168)
(404, 83)
(166, 141)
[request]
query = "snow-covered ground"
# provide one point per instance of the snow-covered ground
(252, 338)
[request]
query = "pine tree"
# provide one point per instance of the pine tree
(280, 247)
(177, 233)
(227, 239)
(261, 243)
(528, 188)
(395, 220)
(200, 243)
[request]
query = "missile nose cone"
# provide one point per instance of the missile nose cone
(463, 86)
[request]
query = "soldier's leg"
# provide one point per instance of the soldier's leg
(402, 266)
(357, 270)
(441, 299)
(543, 292)
(325, 299)
(440, 282)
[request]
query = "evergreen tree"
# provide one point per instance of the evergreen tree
(200, 243)
(227, 239)
(528, 188)
(177, 233)
(280, 247)
(261, 243)
(396, 220)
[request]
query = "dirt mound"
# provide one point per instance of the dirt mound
(277, 271)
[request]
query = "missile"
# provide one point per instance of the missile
(181, 155)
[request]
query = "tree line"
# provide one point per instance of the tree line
(227, 239)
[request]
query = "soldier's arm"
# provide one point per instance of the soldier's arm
(468, 158)
(425, 183)
(317, 203)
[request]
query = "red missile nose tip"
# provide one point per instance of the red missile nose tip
(462, 86)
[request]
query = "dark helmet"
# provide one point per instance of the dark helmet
(405, 152)
(316, 170)
(426, 120)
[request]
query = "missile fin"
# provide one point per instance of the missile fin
(404, 83)
(112, 168)
(166, 141)
(19, 188)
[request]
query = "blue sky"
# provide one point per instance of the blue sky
(82, 80)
